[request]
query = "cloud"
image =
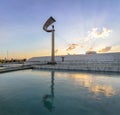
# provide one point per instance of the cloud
(89, 41)
(90, 49)
(96, 33)
(106, 49)
(71, 47)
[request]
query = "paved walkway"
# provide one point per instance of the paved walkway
(15, 68)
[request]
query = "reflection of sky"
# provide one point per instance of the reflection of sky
(89, 24)
(74, 93)
(98, 85)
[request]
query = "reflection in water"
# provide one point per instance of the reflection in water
(106, 90)
(77, 93)
(48, 98)
(94, 85)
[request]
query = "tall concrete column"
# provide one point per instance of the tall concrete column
(52, 51)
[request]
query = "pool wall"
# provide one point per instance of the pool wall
(107, 62)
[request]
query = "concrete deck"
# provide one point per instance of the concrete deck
(15, 68)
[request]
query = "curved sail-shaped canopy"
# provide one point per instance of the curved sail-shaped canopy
(48, 23)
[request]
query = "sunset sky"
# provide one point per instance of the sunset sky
(81, 25)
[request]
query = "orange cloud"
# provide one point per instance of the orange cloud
(106, 49)
(90, 49)
(71, 47)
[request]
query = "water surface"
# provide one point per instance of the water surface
(36, 92)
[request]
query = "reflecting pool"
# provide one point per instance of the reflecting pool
(38, 92)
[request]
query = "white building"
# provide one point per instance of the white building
(90, 61)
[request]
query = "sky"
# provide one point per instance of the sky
(81, 26)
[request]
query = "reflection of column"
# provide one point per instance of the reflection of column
(48, 98)
(52, 84)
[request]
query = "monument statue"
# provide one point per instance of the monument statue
(45, 27)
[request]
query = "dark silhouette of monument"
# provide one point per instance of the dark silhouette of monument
(49, 98)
